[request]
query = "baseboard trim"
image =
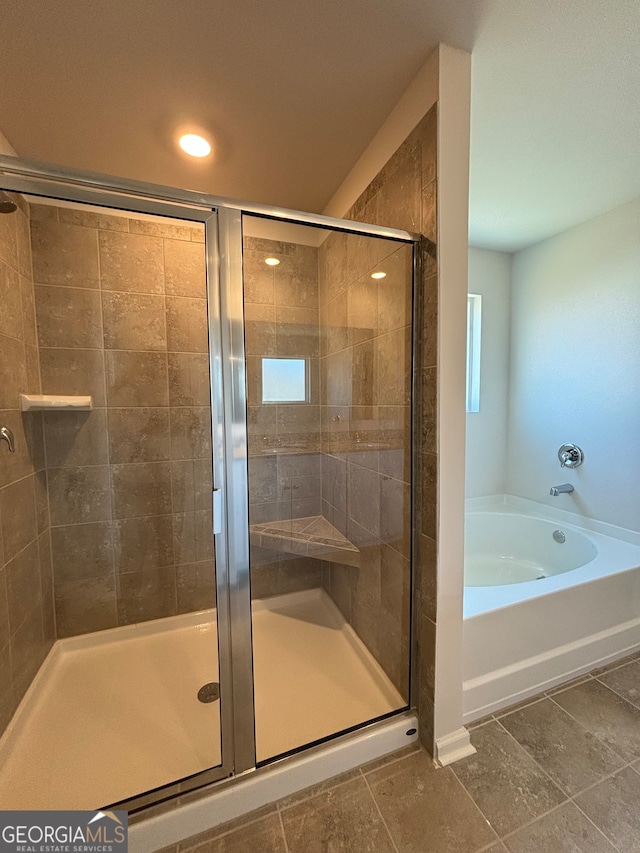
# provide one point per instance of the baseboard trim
(453, 747)
(508, 685)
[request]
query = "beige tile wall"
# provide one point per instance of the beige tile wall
(365, 373)
(121, 315)
(404, 195)
(281, 319)
(347, 453)
(27, 627)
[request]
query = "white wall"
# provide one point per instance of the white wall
(575, 367)
(454, 107)
(490, 276)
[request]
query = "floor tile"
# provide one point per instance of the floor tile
(419, 802)
(573, 757)
(343, 819)
(606, 715)
(265, 835)
(625, 681)
(565, 830)
(613, 806)
(505, 782)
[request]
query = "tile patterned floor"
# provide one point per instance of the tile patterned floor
(559, 773)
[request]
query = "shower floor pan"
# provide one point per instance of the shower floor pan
(113, 714)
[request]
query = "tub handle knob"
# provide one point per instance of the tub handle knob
(570, 456)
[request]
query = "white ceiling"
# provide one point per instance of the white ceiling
(292, 92)
(555, 116)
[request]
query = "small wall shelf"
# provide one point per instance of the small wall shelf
(47, 402)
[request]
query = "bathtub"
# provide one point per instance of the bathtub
(541, 608)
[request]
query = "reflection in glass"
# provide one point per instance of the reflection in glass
(329, 479)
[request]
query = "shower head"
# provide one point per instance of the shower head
(6, 204)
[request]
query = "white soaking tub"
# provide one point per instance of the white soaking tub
(548, 595)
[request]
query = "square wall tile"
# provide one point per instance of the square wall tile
(64, 254)
(134, 321)
(131, 262)
(68, 317)
(79, 495)
(18, 518)
(136, 378)
(73, 371)
(185, 268)
(143, 489)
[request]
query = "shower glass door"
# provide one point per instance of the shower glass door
(117, 678)
(328, 343)
(205, 524)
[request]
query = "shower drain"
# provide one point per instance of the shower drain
(209, 692)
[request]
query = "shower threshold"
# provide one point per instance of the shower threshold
(113, 714)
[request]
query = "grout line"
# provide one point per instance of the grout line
(482, 814)
(375, 802)
(604, 779)
(613, 693)
(570, 798)
(284, 834)
(534, 820)
(602, 833)
(613, 690)
(537, 763)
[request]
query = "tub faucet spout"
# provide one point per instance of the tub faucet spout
(564, 489)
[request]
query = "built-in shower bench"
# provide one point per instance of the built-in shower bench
(313, 536)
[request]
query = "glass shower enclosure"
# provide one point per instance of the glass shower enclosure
(205, 506)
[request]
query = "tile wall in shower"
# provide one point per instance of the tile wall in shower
(404, 195)
(365, 373)
(281, 320)
(345, 453)
(26, 597)
(121, 315)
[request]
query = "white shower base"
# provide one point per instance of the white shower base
(114, 714)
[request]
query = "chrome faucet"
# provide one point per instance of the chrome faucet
(564, 489)
(7, 435)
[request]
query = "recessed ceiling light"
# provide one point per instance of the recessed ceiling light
(272, 262)
(378, 274)
(194, 144)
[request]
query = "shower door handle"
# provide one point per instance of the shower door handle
(217, 511)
